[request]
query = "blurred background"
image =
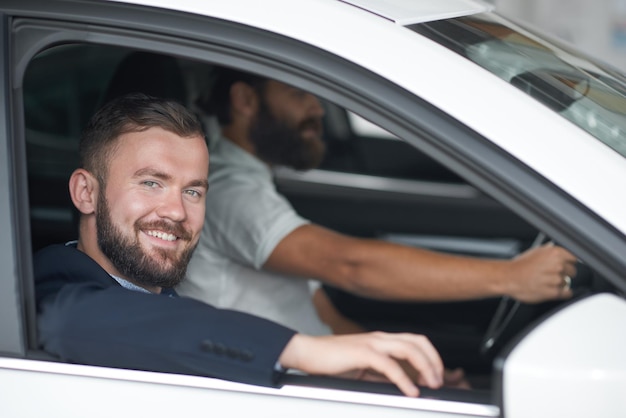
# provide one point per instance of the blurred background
(596, 27)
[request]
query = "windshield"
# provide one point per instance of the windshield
(582, 91)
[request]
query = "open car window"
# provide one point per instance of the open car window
(62, 89)
(66, 84)
(426, 203)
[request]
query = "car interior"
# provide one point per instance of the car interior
(64, 85)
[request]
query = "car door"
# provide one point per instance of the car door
(41, 135)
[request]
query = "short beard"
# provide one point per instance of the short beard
(126, 254)
(278, 143)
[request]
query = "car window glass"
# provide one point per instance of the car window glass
(584, 92)
(363, 127)
(356, 145)
(62, 88)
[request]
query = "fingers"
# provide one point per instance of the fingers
(456, 379)
(453, 376)
(423, 357)
(415, 350)
(567, 256)
(542, 274)
(563, 279)
(564, 287)
(389, 368)
(379, 352)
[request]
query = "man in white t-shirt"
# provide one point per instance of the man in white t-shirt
(256, 254)
(248, 219)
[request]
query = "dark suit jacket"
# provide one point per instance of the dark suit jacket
(85, 316)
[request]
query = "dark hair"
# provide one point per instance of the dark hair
(134, 112)
(218, 101)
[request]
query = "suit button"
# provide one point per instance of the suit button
(232, 353)
(246, 355)
(207, 345)
(219, 349)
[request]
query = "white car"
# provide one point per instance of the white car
(448, 126)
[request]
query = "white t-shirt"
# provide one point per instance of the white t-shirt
(245, 219)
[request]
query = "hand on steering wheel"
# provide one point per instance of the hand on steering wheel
(511, 314)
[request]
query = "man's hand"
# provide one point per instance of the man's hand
(541, 274)
(373, 353)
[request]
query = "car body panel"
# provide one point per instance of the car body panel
(161, 395)
(406, 12)
(575, 358)
(13, 339)
(495, 145)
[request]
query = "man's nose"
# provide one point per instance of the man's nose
(172, 206)
(315, 106)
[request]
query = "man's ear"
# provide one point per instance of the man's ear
(84, 191)
(244, 99)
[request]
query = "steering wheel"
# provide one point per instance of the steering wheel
(510, 316)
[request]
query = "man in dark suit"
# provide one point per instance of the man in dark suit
(108, 300)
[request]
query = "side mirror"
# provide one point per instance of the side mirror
(572, 364)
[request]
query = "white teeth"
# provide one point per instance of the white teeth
(161, 235)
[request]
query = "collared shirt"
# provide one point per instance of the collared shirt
(165, 291)
(128, 285)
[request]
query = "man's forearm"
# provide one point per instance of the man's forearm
(384, 270)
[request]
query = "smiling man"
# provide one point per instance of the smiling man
(107, 299)
(148, 245)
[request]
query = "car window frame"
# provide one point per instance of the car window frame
(13, 339)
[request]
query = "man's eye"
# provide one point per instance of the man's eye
(150, 183)
(193, 193)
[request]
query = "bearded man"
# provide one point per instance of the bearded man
(256, 253)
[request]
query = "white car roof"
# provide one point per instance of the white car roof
(407, 12)
(403, 12)
(371, 34)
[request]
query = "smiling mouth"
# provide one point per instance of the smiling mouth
(162, 235)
